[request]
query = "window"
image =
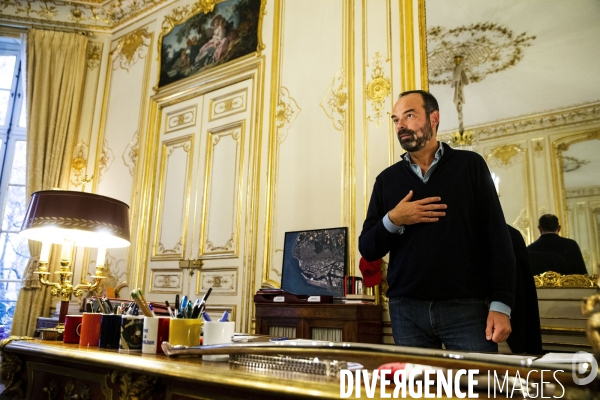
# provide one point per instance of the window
(14, 250)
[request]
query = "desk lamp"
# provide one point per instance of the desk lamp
(74, 219)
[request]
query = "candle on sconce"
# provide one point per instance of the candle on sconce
(101, 256)
(45, 253)
(65, 254)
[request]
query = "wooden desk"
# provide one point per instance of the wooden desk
(356, 322)
(37, 369)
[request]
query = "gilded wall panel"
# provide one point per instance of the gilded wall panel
(510, 163)
(174, 197)
(166, 280)
(123, 117)
(228, 105)
(308, 156)
(540, 177)
(380, 146)
(223, 281)
(82, 169)
(180, 119)
(222, 197)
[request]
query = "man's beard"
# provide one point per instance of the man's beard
(415, 143)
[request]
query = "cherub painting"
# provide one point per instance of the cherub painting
(204, 41)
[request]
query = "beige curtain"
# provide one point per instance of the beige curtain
(56, 64)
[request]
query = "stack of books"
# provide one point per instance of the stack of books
(352, 285)
(353, 292)
(358, 299)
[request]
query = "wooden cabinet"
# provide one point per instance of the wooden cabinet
(344, 322)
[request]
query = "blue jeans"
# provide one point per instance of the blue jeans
(458, 324)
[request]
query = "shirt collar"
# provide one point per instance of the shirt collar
(438, 154)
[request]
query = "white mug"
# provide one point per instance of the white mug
(217, 333)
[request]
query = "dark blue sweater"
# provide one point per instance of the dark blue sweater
(466, 254)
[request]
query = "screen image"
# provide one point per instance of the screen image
(314, 262)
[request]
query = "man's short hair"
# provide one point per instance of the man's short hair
(548, 223)
(430, 103)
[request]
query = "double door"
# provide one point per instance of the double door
(201, 199)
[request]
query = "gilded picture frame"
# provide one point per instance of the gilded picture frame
(208, 34)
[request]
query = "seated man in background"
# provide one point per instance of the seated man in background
(552, 252)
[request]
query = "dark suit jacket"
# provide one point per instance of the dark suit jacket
(526, 336)
(554, 253)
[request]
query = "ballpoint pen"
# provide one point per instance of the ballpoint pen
(224, 316)
(204, 298)
(176, 304)
(196, 310)
(206, 317)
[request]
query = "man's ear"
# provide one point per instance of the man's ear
(558, 231)
(434, 119)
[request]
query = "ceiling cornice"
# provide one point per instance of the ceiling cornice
(89, 15)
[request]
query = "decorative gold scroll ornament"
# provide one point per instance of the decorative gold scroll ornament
(553, 279)
(286, 113)
(335, 101)
(505, 154)
(378, 89)
(131, 48)
(142, 387)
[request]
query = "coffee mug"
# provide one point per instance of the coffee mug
(156, 331)
(216, 332)
(132, 327)
(72, 328)
(90, 329)
(110, 331)
(184, 331)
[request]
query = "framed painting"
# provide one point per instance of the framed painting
(207, 34)
(314, 262)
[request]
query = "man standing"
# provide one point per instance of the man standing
(451, 272)
(552, 252)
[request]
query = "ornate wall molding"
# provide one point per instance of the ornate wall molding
(106, 159)
(166, 280)
(335, 101)
(94, 55)
(286, 113)
(378, 89)
(505, 155)
(181, 14)
(81, 15)
(79, 164)
(583, 192)
(131, 153)
(572, 116)
(131, 48)
(223, 281)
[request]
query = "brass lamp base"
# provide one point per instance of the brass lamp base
(55, 333)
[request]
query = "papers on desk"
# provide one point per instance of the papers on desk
(564, 358)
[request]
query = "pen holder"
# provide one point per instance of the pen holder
(72, 328)
(132, 327)
(217, 333)
(90, 329)
(185, 331)
(110, 331)
(156, 331)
